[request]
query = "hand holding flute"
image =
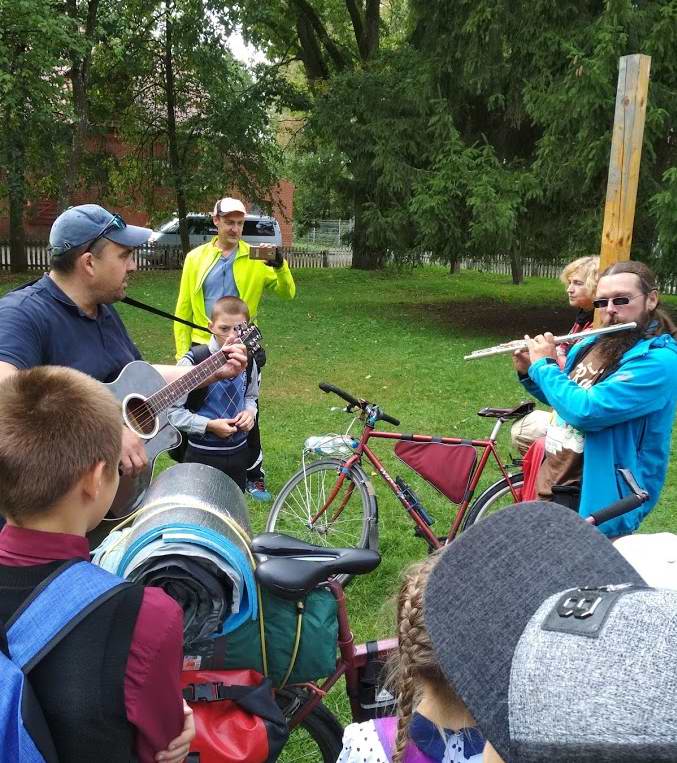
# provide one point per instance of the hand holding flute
(541, 346)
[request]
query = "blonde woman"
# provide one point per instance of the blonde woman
(433, 725)
(580, 278)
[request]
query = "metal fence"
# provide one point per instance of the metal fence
(331, 234)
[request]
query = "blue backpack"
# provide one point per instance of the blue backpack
(49, 614)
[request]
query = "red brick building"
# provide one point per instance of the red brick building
(41, 213)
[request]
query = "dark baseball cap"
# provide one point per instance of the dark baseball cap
(554, 642)
(88, 222)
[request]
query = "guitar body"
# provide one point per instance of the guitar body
(145, 398)
(139, 380)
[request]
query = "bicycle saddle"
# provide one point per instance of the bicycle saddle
(292, 577)
(279, 544)
(508, 413)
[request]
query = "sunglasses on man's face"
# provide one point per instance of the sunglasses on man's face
(601, 304)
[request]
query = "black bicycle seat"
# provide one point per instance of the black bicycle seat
(293, 577)
(521, 409)
(279, 544)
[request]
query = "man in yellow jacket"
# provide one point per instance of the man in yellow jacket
(222, 267)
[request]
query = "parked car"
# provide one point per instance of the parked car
(258, 229)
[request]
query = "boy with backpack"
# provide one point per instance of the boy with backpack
(216, 419)
(89, 663)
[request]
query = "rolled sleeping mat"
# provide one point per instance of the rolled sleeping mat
(192, 540)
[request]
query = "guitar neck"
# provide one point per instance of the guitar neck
(173, 392)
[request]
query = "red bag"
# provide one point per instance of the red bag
(446, 467)
(236, 717)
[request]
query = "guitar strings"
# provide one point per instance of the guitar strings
(246, 333)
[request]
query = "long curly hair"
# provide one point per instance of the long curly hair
(415, 662)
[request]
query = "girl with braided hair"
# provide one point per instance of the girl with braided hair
(432, 725)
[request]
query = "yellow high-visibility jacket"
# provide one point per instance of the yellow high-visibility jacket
(251, 278)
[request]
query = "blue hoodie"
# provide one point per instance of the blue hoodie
(627, 420)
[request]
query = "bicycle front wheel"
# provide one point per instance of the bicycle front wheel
(318, 739)
(493, 499)
(316, 507)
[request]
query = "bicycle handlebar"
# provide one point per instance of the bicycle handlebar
(390, 419)
(617, 508)
(325, 387)
(630, 502)
(355, 403)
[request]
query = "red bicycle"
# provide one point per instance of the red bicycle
(332, 502)
(291, 569)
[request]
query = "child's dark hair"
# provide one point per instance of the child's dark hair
(55, 424)
(230, 306)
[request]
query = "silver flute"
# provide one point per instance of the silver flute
(520, 344)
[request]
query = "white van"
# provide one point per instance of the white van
(258, 229)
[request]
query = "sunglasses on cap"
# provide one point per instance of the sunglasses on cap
(115, 223)
(601, 304)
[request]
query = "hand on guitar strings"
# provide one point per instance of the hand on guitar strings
(133, 458)
(237, 362)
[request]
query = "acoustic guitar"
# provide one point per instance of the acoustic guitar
(146, 398)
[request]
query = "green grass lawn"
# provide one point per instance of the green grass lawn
(393, 338)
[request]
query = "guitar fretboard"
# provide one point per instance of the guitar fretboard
(174, 391)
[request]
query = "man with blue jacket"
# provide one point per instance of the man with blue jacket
(614, 400)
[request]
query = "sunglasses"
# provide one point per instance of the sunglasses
(117, 223)
(601, 304)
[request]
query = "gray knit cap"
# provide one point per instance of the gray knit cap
(555, 694)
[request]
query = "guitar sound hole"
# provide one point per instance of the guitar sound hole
(139, 416)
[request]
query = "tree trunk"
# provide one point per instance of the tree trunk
(16, 188)
(78, 138)
(516, 265)
(79, 75)
(365, 257)
(172, 139)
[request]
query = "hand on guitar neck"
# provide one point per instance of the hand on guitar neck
(146, 393)
(133, 458)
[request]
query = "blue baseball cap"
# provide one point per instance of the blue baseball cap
(87, 222)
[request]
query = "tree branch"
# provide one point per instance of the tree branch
(358, 26)
(310, 15)
(373, 23)
(315, 66)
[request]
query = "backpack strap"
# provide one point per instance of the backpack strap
(196, 397)
(55, 608)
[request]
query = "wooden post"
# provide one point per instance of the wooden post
(626, 151)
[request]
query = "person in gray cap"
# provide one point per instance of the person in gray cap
(556, 645)
(66, 317)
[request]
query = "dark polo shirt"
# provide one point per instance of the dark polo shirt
(40, 325)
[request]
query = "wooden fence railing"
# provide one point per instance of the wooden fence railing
(150, 257)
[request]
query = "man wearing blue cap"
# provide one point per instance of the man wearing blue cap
(66, 318)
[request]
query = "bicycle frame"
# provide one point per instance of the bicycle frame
(488, 447)
(352, 658)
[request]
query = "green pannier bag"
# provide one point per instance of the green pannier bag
(300, 641)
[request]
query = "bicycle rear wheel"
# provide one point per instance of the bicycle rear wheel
(493, 499)
(318, 739)
(349, 519)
